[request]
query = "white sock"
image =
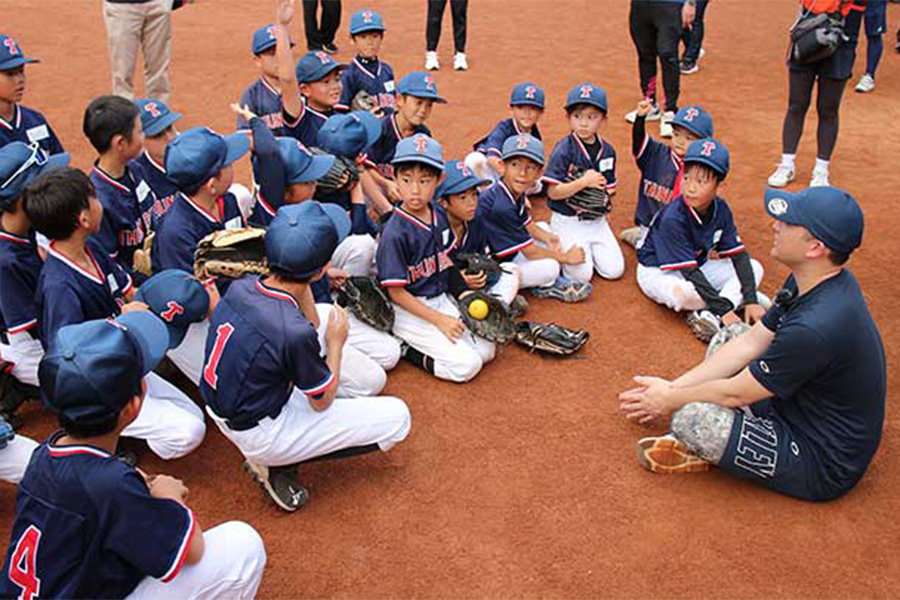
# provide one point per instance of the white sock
(788, 160)
(821, 165)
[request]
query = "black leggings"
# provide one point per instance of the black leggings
(828, 104)
(656, 31)
(458, 9)
(317, 36)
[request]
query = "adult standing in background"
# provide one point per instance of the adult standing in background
(693, 41)
(321, 37)
(656, 27)
(144, 25)
(459, 10)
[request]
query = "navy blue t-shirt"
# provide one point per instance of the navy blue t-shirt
(162, 186)
(415, 254)
(661, 174)
(29, 126)
(826, 368)
(305, 128)
(372, 75)
(20, 267)
(569, 153)
(506, 220)
(263, 101)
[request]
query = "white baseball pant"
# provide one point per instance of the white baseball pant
(673, 290)
(169, 421)
(14, 458)
(601, 249)
(188, 355)
(356, 255)
(25, 353)
(507, 285)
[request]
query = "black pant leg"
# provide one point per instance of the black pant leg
(311, 24)
(433, 23)
(828, 105)
(644, 37)
(458, 10)
(800, 84)
(693, 37)
(667, 21)
(331, 20)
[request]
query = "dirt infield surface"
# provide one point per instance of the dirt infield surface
(524, 484)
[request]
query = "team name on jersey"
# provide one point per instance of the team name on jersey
(273, 120)
(429, 266)
(657, 192)
(160, 207)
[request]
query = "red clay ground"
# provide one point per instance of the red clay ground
(524, 482)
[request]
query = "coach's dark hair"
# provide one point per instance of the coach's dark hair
(408, 166)
(705, 169)
(288, 276)
(838, 258)
(106, 117)
(55, 199)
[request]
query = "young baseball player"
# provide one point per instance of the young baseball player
(263, 96)
(274, 361)
(526, 105)
(80, 282)
(511, 233)
(19, 123)
(413, 263)
(20, 260)
(158, 123)
(87, 524)
(661, 165)
(199, 162)
(112, 125)
(367, 72)
(675, 268)
(584, 148)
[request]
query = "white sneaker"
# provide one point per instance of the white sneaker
(819, 178)
(702, 53)
(704, 324)
(866, 83)
(782, 176)
(665, 124)
(459, 62)
(653, 115)
(431, 61)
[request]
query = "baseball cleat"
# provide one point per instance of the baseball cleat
(866, 84)
(653, 115)
(280, 484)
(431, 61)
(631, 236)
(518, 306)
(459, 62)
(704, 324)
(665, 124)
(666, 455)
(782, 176)
(564, 290)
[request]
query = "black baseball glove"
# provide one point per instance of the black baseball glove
(367, 300)
(473, 263)
(341, 176)
(497, 326)
(589, 203)
(550, 338)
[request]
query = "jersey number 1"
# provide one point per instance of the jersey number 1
(23, 564)
(223, 334)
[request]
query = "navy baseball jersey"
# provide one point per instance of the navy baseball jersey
(492, 145)
(381, 153)
(473, 239)
(163, 188)
(680, 238)
(68, 294)
(305, 128)
(571, 153)
(415, 254)
(187, 223)
(372, 75)
(505, 221)
(264, 101)
(29, 126)
(20, 267)
(86, 526)
(661, 174)
(260, 346)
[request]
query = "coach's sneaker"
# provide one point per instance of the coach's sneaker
(704, 324)
(631, 236)
(665, 454)
(653, 115)
(280, 483)
(782, 176)
(459, 62)
(866, 84)
(665, 124)
(689, 67)
(819, 178)
(431, 61)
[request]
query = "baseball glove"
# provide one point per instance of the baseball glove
(473, 263)
(363, 100)
(589, 203)
(497, 326)
(367, 300)
(231, 253)
(725, 335)
(550, 338)
(141, 260)
(340, 177)
(13, 394)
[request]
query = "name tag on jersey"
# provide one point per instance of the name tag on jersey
(717, 235)
(113, 284)
(235, 223)
(389, 86)
(446, 236)
(36, 134)
(607, 164)
(142, 190)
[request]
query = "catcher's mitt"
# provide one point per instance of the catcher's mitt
(725, 335)
(550, 338)
(340, 177)
(367, 300)
(589, 203)
(497, 326)
(474, 263)
(363, 100)
(231, 253)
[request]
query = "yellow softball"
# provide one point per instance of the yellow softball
(478, 309)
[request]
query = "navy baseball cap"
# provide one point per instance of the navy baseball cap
(315, 65)
(365, 20)
(156, 117)
(527, 94)
(263, 39)
(20, 163)
(524, 144)
(301, 165)
(459, 179)
(419, 148)
(176, 297)
(93, 369)
(421, 85)
(711, 153)
(587, 93)
(195, 156)
(302, 237)
(694, 119)
(11, 55)
(830, 214)
(349, 134)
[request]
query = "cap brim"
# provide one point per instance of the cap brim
(690, 128)
(460, 186)
(339, 217)
(317, 168)
(419, 159)
(534, 103)
(162, 124)
(705, 161)
(149, 333)
(322, 72)
(366, 28)
(17, 62)
(516, 153)
(594, 103)
(18, 185)
(238, 145)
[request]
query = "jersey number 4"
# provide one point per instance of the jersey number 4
(223, 334)
(23, 564)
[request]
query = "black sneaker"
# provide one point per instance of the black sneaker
(330, 48)
(689, 67)
(280, 483)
